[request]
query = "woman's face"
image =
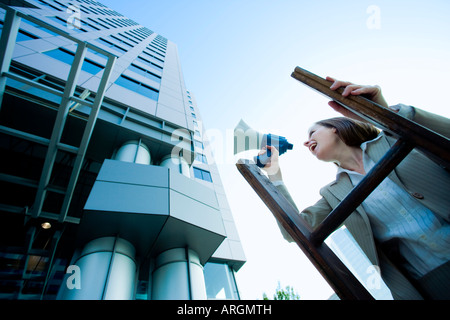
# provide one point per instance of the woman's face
(323, 142)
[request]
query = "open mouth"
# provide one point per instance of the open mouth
(313, 146)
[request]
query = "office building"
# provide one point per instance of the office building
(107, 189)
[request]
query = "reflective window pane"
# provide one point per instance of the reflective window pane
(68, 57)
(61, 55)
(219, 281)
(137, 87)
(202, 174)
(91, 67)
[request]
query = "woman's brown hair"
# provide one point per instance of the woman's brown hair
(352, 132)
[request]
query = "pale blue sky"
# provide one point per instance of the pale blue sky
(237, 57)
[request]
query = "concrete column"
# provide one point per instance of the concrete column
(106, 271)
(178, 275)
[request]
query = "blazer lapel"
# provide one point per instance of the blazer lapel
(341, 188)
(378, 149)
(359, 224)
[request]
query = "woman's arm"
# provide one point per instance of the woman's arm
(370, 92)
(313, 215)
(427, 119)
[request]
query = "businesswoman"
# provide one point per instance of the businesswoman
(403, 226)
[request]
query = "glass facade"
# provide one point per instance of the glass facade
(149, 64)
(67, 57)
(35, 262)
(24, 36)
(144, 73)
(51, 33)
(137, 87)
(220, 281)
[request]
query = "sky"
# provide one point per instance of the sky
(237, 57)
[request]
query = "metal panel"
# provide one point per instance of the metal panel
(132, 173)
(128, 198)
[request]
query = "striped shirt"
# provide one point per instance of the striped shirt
(394, 213)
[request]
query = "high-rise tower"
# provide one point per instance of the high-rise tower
(107, 191)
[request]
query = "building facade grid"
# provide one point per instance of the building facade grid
(94, 110)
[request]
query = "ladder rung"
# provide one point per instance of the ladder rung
(360, 192)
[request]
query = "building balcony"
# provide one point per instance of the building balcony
(155, 208)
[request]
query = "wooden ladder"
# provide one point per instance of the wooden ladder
(409, 135)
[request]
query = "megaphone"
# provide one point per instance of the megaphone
(246, 138)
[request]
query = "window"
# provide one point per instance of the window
(39, 27)
(49, 5)
(200, 157)
(150, 64)
(91, 67)
(111, 45)
(61, 55)
(202, 174)
(144, 73)
(66, 24)
(96, 53)
(59, 20)
(152, 56)
(150, 49)
(61, 4)
(198, 144)
(108, 23)
(89, 26)
(121, 41)
(137, 87)
(98, 23)
(220, 282)
(67, 57)
(130, 37)
(23, 36)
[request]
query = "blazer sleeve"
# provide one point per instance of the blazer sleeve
(427, 119)
(313, 215)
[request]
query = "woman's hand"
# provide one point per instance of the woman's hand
(272, 168)
(370, 92)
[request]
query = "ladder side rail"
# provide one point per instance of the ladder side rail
(361, 191)
(432, 143)
(338, 276)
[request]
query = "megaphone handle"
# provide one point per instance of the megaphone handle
(263, 159)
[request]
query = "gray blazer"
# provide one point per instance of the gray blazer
(417, 174)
